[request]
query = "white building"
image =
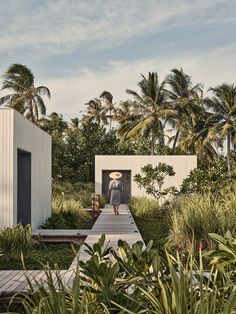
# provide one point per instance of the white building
(131, 165)
(25, 171)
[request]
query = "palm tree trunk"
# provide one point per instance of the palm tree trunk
(228, 153)
(31, 110)
(175, 142)
(110, 120)
(152, 145)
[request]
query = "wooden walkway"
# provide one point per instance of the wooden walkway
(114, 227)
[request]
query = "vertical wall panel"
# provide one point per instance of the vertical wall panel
(6, 167)
(16, 132)
(30, 138)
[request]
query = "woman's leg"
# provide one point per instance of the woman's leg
(114, 208)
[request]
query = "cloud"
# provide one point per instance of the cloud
(62, 26)
(69, 94)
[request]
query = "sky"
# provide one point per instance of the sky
(79, 48)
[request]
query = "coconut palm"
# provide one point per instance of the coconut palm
(109, 107)
(25, 97)
(184, 99)
(149, 111)
(199, 136)
(95, 112)
(223, 105)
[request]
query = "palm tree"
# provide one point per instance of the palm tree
(109, 107)
(149, 111)
(199, 137)
(95, 112)
(184, 98)
(223, 105)
(25, 97)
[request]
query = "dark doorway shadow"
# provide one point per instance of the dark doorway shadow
(23, 187)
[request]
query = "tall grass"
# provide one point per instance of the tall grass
(193, 217)
(16, 241)
(144, 207)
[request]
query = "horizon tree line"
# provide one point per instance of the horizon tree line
(199, 124)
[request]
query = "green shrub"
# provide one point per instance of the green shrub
(193, 217)
(144, 207)
(16, 240)
(134, 279)
(69, 219)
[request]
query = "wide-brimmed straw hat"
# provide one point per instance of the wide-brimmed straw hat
(115, 175)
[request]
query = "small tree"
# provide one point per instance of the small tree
(154, 178)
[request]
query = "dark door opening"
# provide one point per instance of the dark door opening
(23, 187)
(125, 180)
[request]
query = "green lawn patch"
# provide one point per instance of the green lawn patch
(61, 254)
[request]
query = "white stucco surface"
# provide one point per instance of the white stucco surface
(16, 132)
(182, 166)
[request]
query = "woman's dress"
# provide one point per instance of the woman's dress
(115, 188)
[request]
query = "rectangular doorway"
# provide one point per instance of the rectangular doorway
(125, 181)
(23, 187)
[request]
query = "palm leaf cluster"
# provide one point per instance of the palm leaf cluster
(24, 96)
(198, 124)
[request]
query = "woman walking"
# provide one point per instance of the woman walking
(114, 191)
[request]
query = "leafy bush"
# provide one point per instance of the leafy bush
(68, 220)
(193, 217)
(16, 240)
(210, 176)
(144, 207)
(153, 180)
(134, 280)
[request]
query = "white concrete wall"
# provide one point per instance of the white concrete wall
(6, 167)
(22, 134)
(182, 166)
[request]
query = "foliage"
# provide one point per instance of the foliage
(144, 207)
(134, 280)
(152, 221)
(69, 220)
(154, 178)
(224, 258)
(26, 98)
(210, 176)
(16, 241)
(59, 254)
(193, 217)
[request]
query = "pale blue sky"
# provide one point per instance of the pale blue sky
(78, 48)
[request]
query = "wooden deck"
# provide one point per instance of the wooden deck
(114, 227)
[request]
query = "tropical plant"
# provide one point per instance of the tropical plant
(95, 112)
(143, 207)
(183, 98)
(223, 105)
(194, 217)
(54, 124)
(25, 97)
(210, 176)
(153, 179)
(109, 107)
(224, 257)
(16, 240)
(149, 111)
(134, 280)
